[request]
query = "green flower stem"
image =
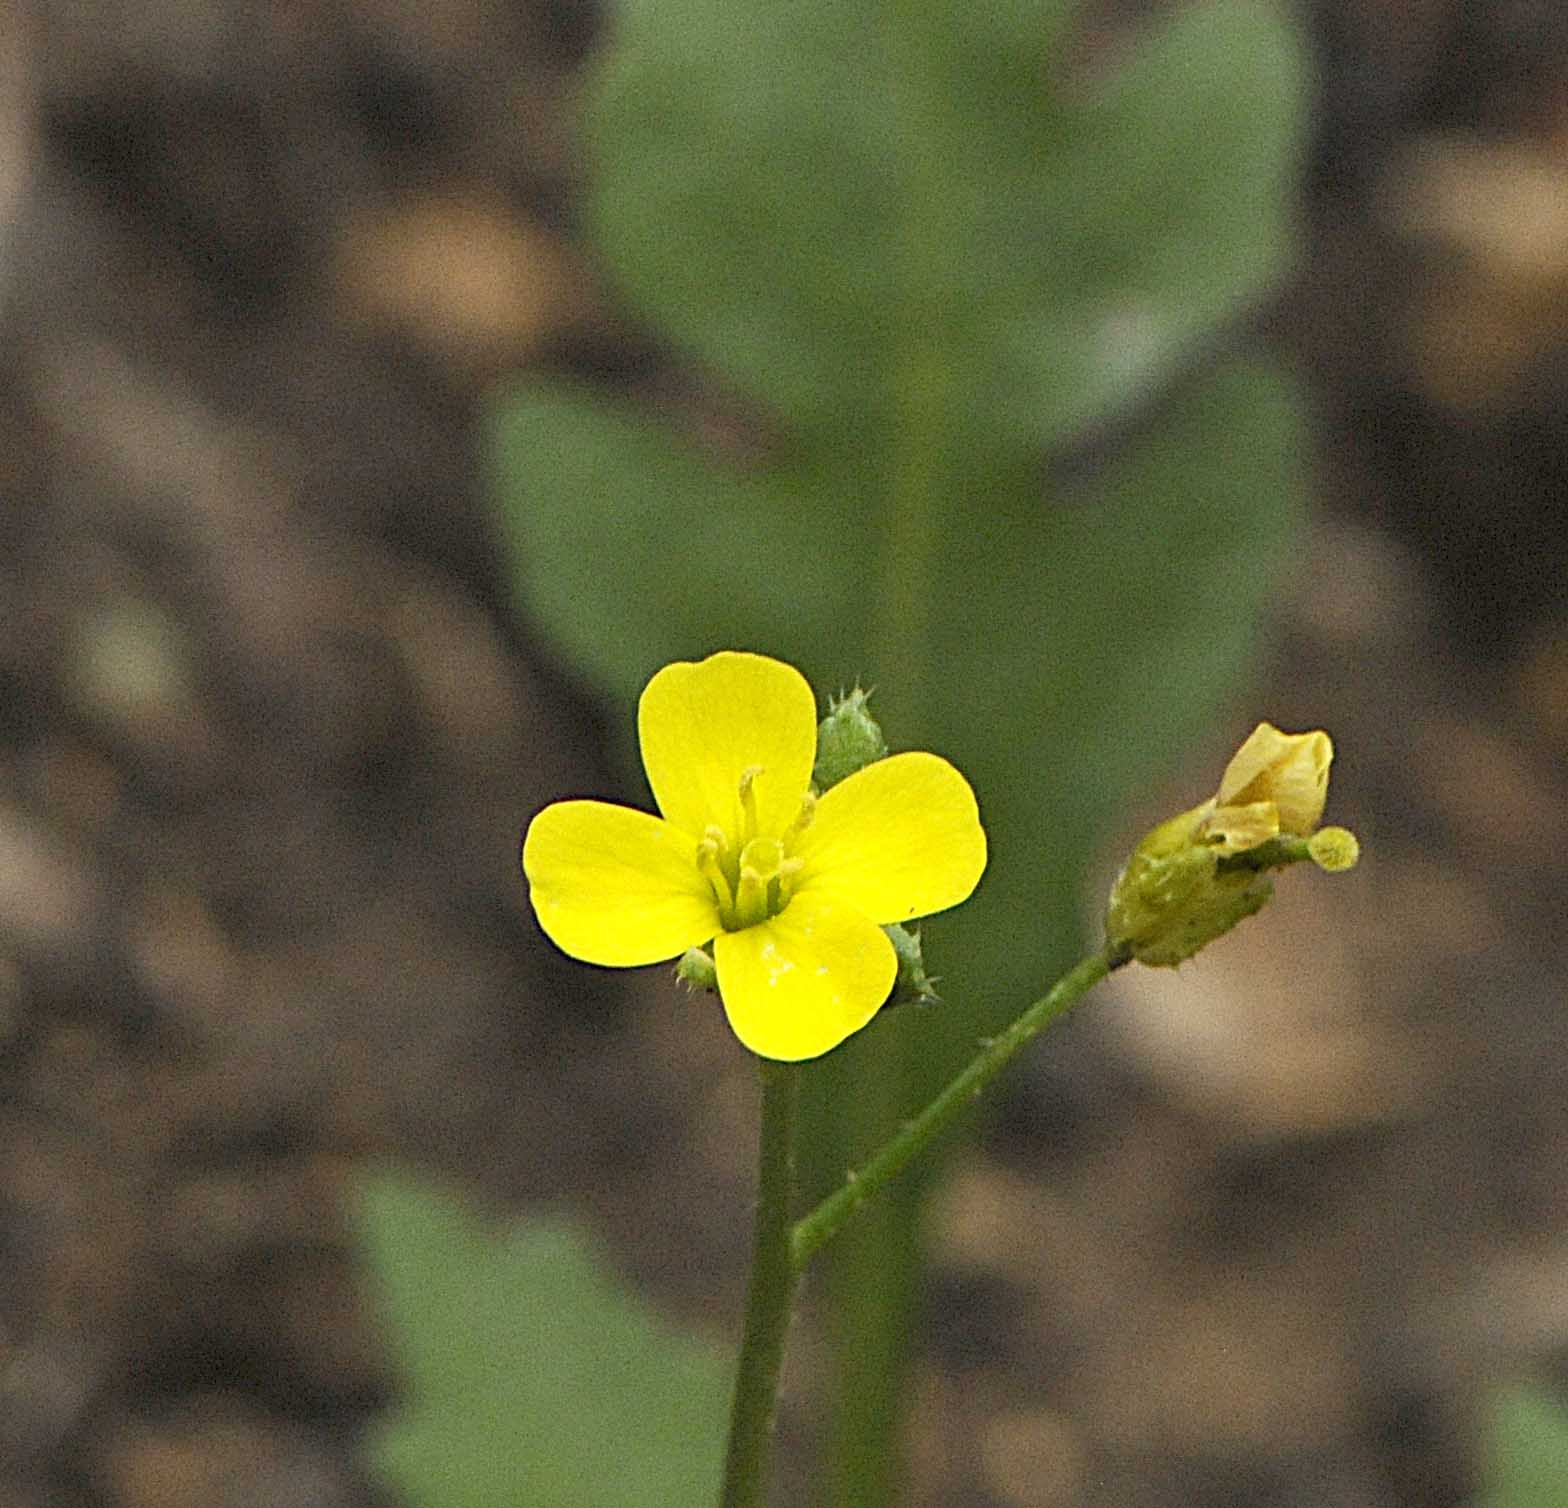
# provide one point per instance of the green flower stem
(1274, 854)
(815, 1230)
(781, 1252)
(773, 1277)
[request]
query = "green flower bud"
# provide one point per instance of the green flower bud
(696, 970)
(913, 985)
(848, 739)
(1172, 897)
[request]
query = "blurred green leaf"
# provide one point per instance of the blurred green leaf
(534, 1378)
(816, 198)
(1527, 1457)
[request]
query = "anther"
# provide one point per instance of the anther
(808, 809)
(782, 884)
(748, 800)
(708, 851)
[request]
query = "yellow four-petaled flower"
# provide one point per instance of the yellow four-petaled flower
(791, 888)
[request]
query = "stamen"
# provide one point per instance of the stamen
(808, 810)
(708, 851)
(782, 885)
(748, 801)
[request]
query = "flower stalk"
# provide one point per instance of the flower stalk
(814, 1230)
(781, 1250)
(774, 1273)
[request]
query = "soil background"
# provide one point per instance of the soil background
(1259, 1235)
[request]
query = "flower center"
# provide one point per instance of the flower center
(752, 875)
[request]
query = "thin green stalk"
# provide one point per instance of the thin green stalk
(773, 1277)
(815, 1230)
(781, 1251)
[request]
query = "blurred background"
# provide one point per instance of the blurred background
(1261, 1233)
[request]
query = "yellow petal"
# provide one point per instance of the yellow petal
(899, 839)
(615, 886)
(1241, 827)
(1289, 769)
(704, 725)
(795, 986)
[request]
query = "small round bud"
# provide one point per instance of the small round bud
(848, 739)
(696, 970)
(1334, 849)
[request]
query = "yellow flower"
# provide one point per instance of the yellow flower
(792, 889)
(1275, 783)
(1195, 876)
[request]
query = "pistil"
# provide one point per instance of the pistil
(757, 896)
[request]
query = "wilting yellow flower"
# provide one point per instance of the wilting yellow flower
(1195, 876)
(792, 889)
(1275, 783)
